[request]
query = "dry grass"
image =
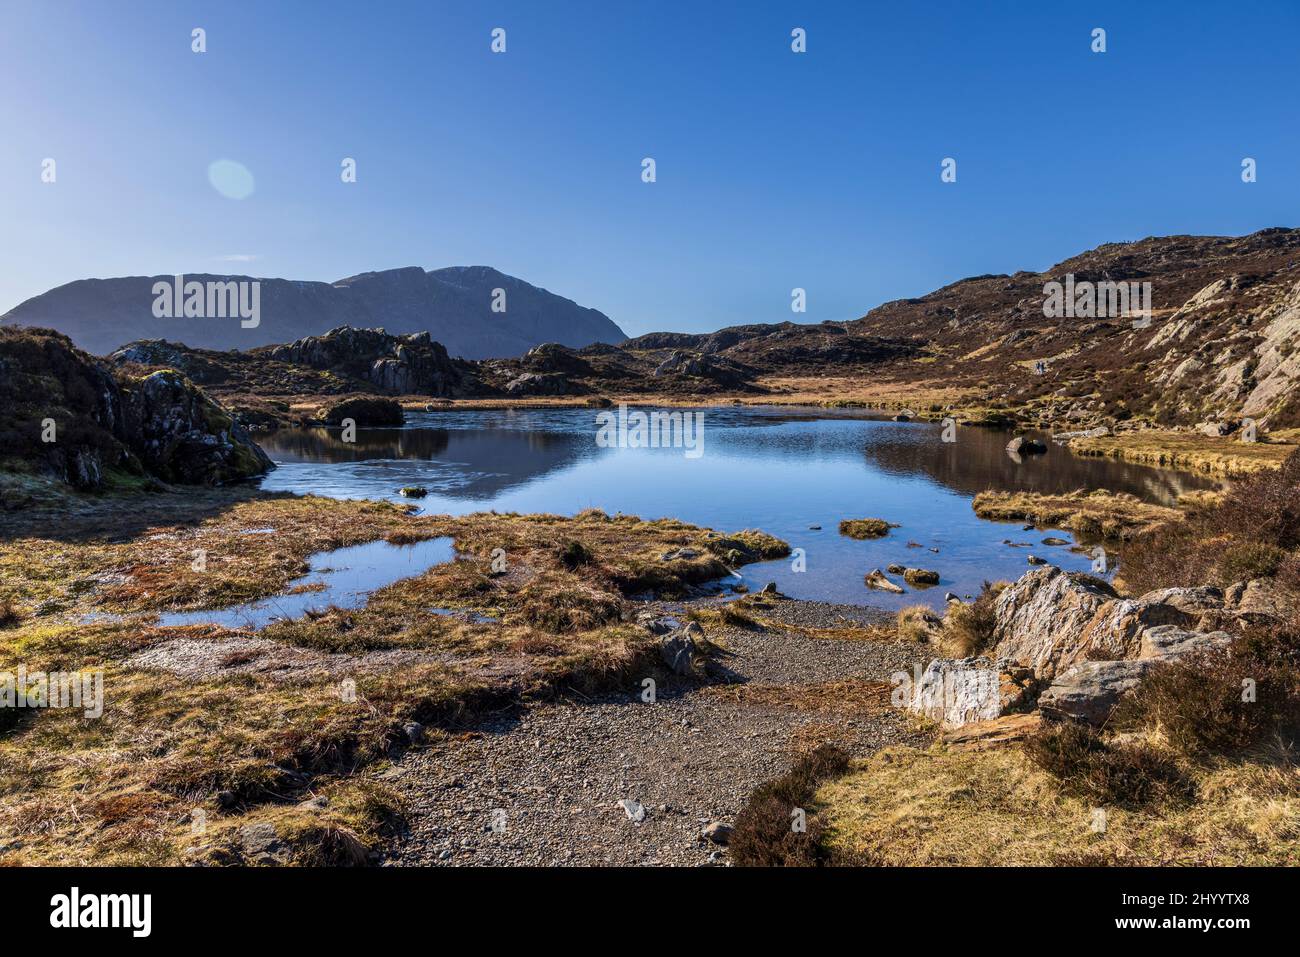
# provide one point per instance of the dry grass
(918, 623)
(1091, 515)
(120, 789)
(905, 807)
(968, 627)
(848, 696)
(1187, 451)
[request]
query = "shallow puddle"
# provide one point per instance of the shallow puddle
(344, 577)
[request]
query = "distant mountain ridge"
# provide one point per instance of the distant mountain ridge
(452, 304)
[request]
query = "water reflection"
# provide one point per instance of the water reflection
(777, 469)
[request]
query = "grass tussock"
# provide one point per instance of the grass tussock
(917, 624)
(968, 626)
(777, 827)
(863, 528)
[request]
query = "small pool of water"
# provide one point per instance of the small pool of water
(344, 577)
(775, 469)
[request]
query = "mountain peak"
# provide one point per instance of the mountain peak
(453, 304)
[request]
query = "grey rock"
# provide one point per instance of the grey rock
(635, 810)
(1090, 690)
(957, 691)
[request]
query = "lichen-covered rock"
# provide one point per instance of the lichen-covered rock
(183, 436)
(1041, 620)
(1260, 600)
(957, 691)
(1117, 628)
(1169, 642)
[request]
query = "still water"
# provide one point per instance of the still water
(778, 470)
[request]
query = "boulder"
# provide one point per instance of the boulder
(957, 691)
(1041, 620)
(876, 579)
(1117, 628)
(715, 832)
(922, 577)
(1259, 600)
(539, 383)
(1023, 445)
(1001, 732)
(680, 651)
(180, 435)
(1169, 642)
(261, 844)
(1090, 690)
(365, 411)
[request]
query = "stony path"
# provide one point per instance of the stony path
(555, 773)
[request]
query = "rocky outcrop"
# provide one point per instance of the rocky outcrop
(180, 435)
(1043, 618)
(541, 384)
(403, 365)
(553, 357)
(1090, 690)
(1069, 646)
(717, 370)
(74, 416)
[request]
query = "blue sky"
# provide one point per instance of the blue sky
(775, 169)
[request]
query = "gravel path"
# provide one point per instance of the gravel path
(552, 776)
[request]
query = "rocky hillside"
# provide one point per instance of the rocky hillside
(73, 416)
(453, 305)
(1221, 342)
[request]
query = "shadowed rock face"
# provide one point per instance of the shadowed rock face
(71, 415)
(453, 305)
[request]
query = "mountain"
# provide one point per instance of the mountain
(454, 305)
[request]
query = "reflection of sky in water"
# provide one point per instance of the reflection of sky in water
(345, 577)
(778, 471)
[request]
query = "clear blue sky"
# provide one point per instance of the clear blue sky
(775, 169)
